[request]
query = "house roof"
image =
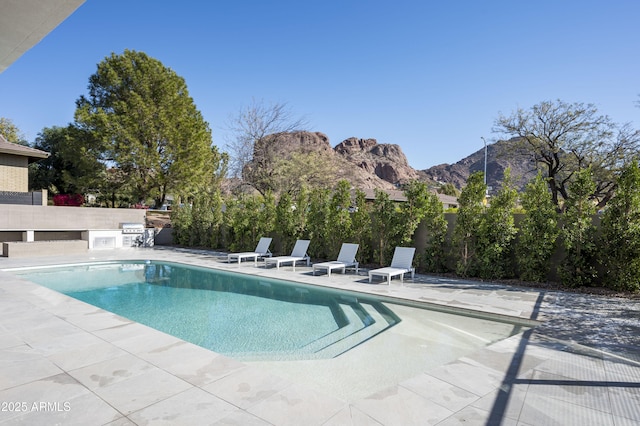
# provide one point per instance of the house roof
(397, 195)
(21, 150)
(24, 23)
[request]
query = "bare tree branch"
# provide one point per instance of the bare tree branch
(249, 128)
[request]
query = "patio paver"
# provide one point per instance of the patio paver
(580, 366)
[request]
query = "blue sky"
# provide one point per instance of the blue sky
(429, 76)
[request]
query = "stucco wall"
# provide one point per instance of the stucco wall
(58, 218)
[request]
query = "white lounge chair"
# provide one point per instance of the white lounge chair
(400, 265)
(262, 250)
(346, 259)
(298, 254)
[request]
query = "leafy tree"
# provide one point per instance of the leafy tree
(150, 126)
(181, 224)
(11, 132)
(291, 218)
(249, 129)
(318, 223)
(206, 220)
(620, 239)
(251, 217)
(74, 164)
(48, 172)
(340, 218)
(113, 189)
(413, 210)
(538, 231)
(468, 222)
(497, 232)
(578, 266)
(385, 227)
(563, 138)
(436, 229)
(448, 189)
(298, 169)
(361, 226)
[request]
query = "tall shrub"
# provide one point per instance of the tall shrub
(538, 232)
(497, 232)
(361, 227)
(413, 210)
(181, 220)
(318, 223)
(250, 217)
(291, 218)
(385, 227)
(340, 218)
(620, 242)
(578, 232)
(206, 219)
(435, 258)
(467, 228)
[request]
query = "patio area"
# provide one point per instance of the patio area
(65, 362)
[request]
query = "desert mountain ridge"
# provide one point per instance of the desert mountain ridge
(368, 164)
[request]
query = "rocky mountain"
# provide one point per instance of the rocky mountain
(386, 161)
(368, 164)
(377, 165)
(500, 155)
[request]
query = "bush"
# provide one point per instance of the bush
(538, 231)
(74, 200)
(620, 240)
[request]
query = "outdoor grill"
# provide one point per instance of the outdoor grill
(132, 228)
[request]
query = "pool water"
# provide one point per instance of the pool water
(244, 316)
(355, 342)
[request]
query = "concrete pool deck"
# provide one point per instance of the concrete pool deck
(65, 362)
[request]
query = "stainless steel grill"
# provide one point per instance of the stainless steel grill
(132, 228)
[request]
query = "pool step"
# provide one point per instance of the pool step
(367, 320)
(354, 316)
(364, 320)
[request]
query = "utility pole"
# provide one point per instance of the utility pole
(485, 159)
(486, 191)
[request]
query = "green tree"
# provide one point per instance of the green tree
(251, 217)
(448, 189)
(291, 218)
(578, 231)
(48, 172)
(620, 241)
(436, 229)
(497, 233)
(340, 218)
(318, 222)
(206, 220)
(538, 232)
(152, 131)
(294, 170)
(468, 222)
(563, 138)
(11, 132)
(74, 164)
(361, 227)
(385, 226)
(181, 224)
(413, 210)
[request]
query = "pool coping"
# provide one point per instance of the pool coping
(514, 381)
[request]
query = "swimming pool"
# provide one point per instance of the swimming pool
(254, 318)
(243, 316)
